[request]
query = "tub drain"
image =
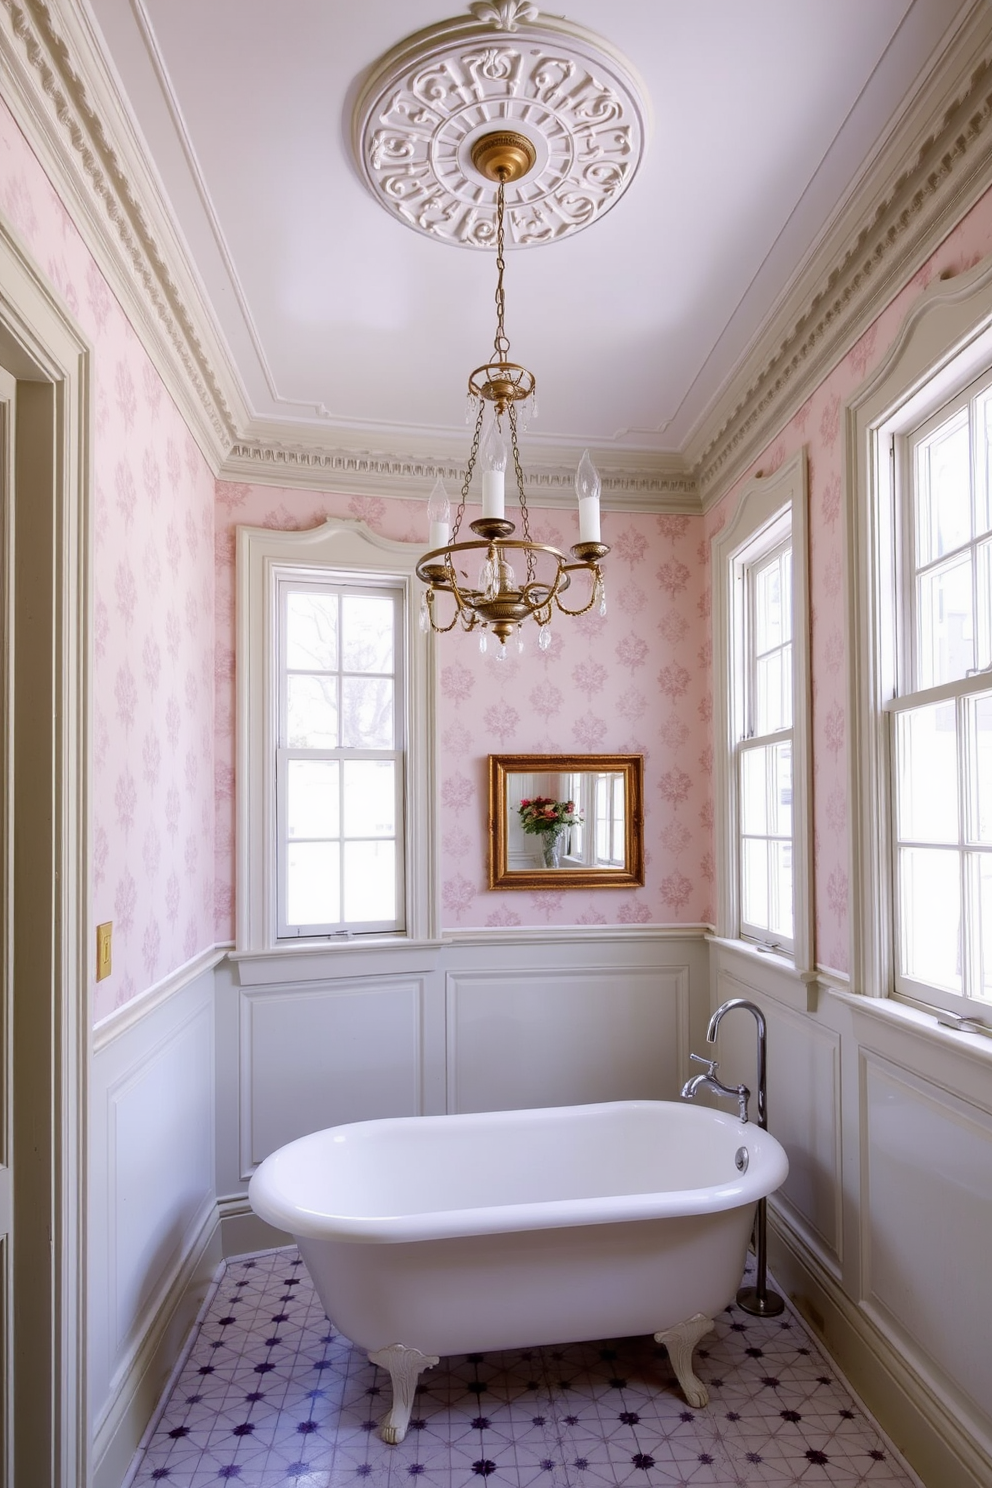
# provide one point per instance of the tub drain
(740, 1159)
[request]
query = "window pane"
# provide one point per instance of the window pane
(367, 713)
(370, 881)
(780, 889)
(311, 712)
(313, 884)
(946, 623)
(983, 869)
(754, 792)
(927, 774)
(312, 798)
(370, 798)
(311, 632)
(754, 885)
(980, 767)
(983, 496)
(368, 623)
(930, 910)
(768, 607)
(944, 495)
(773, 692)
(983, 559)
(766, 790)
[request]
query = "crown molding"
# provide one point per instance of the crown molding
(633, 482)
(934, 164)
(67, 102)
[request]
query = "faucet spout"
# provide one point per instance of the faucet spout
(709, 1081)
(759, 1018)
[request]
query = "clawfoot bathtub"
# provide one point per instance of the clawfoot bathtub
(437, 1235)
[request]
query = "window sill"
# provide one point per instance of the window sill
(316, 961)
(916, 1021)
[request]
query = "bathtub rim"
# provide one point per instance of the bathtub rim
(762, 1177)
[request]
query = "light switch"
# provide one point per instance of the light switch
(103, 937)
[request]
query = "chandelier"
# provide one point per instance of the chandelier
(498, 580)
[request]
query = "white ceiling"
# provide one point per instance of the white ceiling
(344, 323)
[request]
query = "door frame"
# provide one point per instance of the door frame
(48, 563)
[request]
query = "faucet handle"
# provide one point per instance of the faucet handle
(712, 1065)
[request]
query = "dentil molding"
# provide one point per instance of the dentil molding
(422, 106)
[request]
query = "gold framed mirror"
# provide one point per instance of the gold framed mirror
(566, 821)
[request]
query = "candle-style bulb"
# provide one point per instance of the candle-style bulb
(588, 486)
(439, 517)
(493, 455)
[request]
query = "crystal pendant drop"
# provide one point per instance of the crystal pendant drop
(601, 595)
(484, 641)
(520, 640)
(544, 637)
(424, 618)
(471, 406)
(501, 650)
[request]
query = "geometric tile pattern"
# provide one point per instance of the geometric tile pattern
(271, 1396)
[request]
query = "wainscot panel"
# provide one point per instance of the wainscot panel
(592, 1034)
(153, 1237)
(320, 1055)
(927, 1188)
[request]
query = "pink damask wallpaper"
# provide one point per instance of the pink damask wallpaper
(634, 681)
(152, 787)
(817, 425)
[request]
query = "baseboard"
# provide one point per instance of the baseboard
(924, 1429)
(163, 1334)
(241, 1230)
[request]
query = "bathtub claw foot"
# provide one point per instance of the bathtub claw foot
(680, 1342)
(405, 1366)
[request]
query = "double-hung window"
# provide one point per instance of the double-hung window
(335, 760)
(340, 758)
(940, 738)
(761, 710)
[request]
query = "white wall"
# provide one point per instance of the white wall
(881, 1232)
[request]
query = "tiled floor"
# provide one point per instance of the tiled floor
(271, 1396)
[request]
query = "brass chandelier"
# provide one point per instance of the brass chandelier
(498, 602)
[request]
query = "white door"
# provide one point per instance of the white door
(7, 386)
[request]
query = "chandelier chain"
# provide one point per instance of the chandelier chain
(524, 513)
(473, 456)
(501, 343)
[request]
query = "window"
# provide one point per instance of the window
(335, 759)
(941, 713)
(761, 712)
(920, 523)
(339, 758)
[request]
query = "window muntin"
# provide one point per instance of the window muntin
(764, 745)
(339, 758)
(941, 734)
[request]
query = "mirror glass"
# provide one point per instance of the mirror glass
(573, 821)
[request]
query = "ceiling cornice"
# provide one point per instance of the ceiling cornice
(934, 164)
(66, 101)
(631, 482)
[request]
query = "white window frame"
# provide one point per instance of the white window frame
(944, 346)
(341, 552)
(771, 512)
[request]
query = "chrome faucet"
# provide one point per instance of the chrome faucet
(709, 1081)
(757, 1299)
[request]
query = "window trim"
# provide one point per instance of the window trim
(766, 503)
(945, 344)
(344, 551)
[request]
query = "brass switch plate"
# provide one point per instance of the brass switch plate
(103, 938)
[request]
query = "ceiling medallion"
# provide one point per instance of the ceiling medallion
(574, 98)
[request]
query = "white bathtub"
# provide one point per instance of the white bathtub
(438, 1235)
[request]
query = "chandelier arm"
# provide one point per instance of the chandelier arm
(439, 629)
(473, 455)
(593, 569)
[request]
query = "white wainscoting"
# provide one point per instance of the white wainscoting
(153, 1240)
(880, 1233)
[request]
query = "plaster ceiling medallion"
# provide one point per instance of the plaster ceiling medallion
(423, 107)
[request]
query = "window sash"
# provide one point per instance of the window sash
(340, 848)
